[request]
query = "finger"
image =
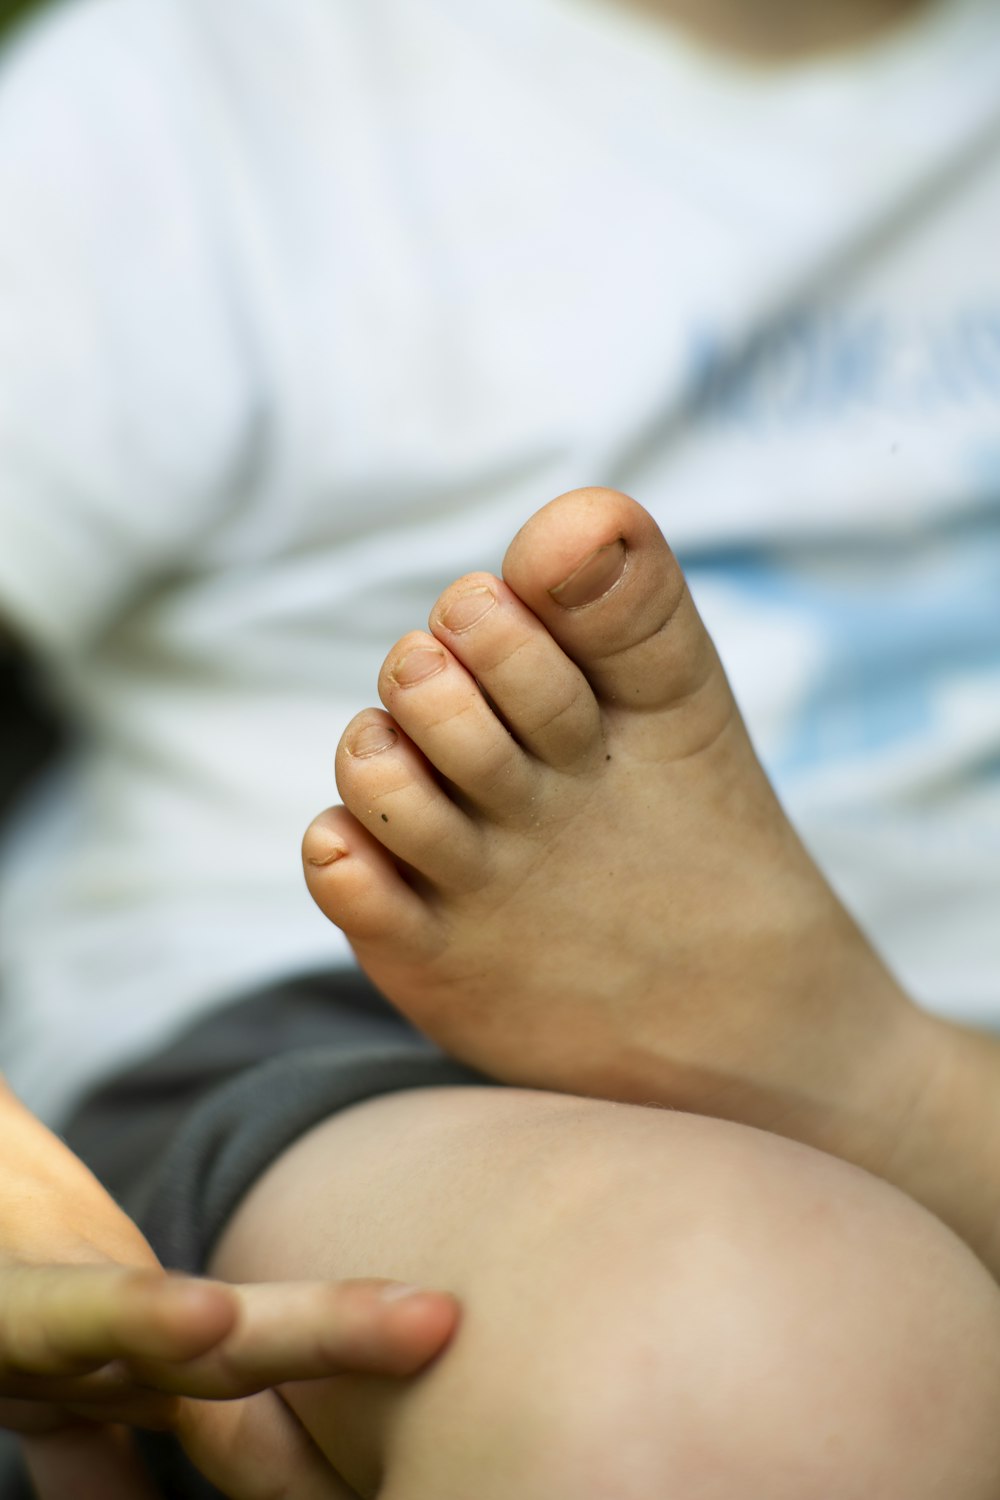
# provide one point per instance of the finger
(65, 1319)
(89, 1463)
(30, 1417)
(256, 1449)
(109, 1395)
(304, 1330)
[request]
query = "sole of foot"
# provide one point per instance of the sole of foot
(559, 856)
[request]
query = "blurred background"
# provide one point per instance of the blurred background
(11, 11)
(31, 732)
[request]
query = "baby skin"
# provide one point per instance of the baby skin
(559, 856)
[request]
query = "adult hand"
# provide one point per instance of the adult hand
(95, 1337)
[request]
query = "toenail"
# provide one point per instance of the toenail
(421, 662)
(370, 739)
(326, 850)
(595, 577)
(463, 610)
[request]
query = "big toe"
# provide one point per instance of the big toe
(595, 568)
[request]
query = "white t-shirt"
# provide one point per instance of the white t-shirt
(306, 305)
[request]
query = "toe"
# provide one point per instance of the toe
(596, 570)
(356, 884)
(542, 696)
(443, 711)
(392, 792)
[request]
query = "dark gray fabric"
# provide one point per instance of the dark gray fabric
(13, 1485)
(179, 1139)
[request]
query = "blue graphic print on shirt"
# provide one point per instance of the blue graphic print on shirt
(888, 644)
(822, 364)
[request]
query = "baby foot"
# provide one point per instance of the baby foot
(560, 857)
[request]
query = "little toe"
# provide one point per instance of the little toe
(443, 711)
(392, 792)
(543, 697)
(356, 885)
(594, 567)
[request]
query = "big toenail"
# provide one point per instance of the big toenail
(421, 662)
(370, 739)
(463, 610)
(595, 577)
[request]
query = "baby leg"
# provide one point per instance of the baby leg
(655, 1303)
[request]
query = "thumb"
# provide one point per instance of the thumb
(89, 1462)
(256, 1449)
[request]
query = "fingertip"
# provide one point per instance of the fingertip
(201, 1294)
(194, 1315)
(423, 1322)
(400, 1291)
(435, 1312)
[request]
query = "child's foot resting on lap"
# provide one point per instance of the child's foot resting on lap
(560, 857)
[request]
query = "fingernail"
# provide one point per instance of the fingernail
(463, 610)
(370, 739)
(397, 1290)
(595, 577)
(421, 662)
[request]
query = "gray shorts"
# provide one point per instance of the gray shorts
(179, 1139)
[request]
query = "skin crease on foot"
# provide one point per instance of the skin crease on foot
(559, 856)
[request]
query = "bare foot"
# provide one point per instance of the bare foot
(561, 859)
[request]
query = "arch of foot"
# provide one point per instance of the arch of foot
(720, 1314)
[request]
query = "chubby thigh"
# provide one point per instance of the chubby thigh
(655, 1305)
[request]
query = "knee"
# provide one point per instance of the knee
(737, 1315)
(658, 1304)
(715, 1311)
